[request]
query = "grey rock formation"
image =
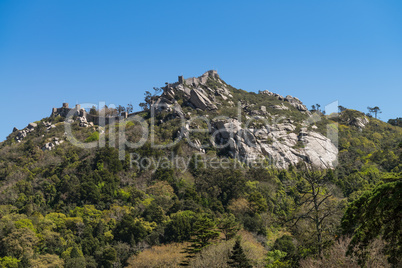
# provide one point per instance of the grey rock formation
(32, 125)
(83, 121)
(279, 107)
(52, 145)
(359, 122)
(276, 144)
(199, 99)
(21, 134)
(48, 125)
(162, 104)
(295, 102)
(276, 140)
(269, 93)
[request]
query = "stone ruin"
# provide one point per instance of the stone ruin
(85, 119)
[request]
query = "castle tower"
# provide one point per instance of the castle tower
(181, 79)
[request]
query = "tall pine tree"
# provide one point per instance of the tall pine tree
(238, 258)
(204, 231)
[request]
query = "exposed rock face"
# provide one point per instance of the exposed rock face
(21, 134)
(32, 125)
(279, 107)
(276, 144)
(199, 99)
(167, 105)
(83, 122)
(295, 102)
(359, 122)
(196, 91)
(24, 132)
(48, 125)
(269, 93)
(282, 143)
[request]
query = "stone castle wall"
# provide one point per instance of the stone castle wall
(95, 119)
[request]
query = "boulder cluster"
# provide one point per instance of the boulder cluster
(21, 134)
(197, 92)
(24, 132)
(282, 144)
(51, 145)
(295, 102)
(48, 125)
(83, 122)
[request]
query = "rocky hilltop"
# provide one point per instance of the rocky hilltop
(280, 129)
(82, 202)
(239, 124)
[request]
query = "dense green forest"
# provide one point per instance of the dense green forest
(74, 207)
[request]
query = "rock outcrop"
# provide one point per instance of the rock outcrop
(52, 145)
(163, 104)
(276, 144)
(197, 91)
(359, 122)
(21, 134)
(282, 142)
(295, 102)
(199, 99)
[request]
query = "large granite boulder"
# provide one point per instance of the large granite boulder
(278, 144)
(199, 99)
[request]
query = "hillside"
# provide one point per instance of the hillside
(201, 163)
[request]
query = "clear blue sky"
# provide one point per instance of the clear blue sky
(90, 51)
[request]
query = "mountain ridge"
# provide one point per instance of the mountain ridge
(244, 125)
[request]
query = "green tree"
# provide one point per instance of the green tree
(237, 257)
(274, 259)
(374, 110)
(285, 244)
(228, 226)
(121, 109)
(149, 99)
(257, 202)
(341, 108)
(93, 111)
(180, 227)
(20, 242)
(132, 230)
(396, 122)
(109, 257)
(9, 262)
(47, 261)
(377, 213)
(129, 108)
(204, 231)
(316, 204)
